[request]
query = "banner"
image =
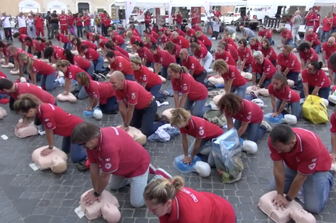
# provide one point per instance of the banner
(130, 4)
(196, 12)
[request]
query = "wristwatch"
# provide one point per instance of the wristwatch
(96, 194)
(50, 147)
(288, 198)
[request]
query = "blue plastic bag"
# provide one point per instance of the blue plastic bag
(273, 120)
(87, 114)
(183, 167)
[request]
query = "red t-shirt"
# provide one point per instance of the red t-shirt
(233, 51)
(81, 62)
(333, 123)
(191, 32)
(320, 79)
(286, 94)
(87, 43)
(62, 123)
(201, 53)
(63, 20)
(92, 54)
(250, 113)
(26, 88)
(176, 51)
(290, 61)
(266, 68)
(40, 46)
(179, 19)
(180, 32)
(310, 17)
(182, 42)
(152, 38)
(257, 46)
(164, 58)
(205, 40)
(113, 154)
(245, 53)
(119, 54)
(313, 38)
(122, 51)
(269, 53)
(121, 64)
(164, 39)
(145, 53)
(134, 94)
(5, 51)
(186, 84)
(193, 206)
(38, 22)
(307, 157)
(227, 57)
(201, 128)
(193, 65)
(266, 34)
(42, 68)
(148, 18)
(22, 37)
(233, 73)
(33, 43)
(71, 20)
(101, 91)
(118, 39)
(78, 21)
(87, 20)
(62, 38)
(310, 55)
(230, 41)
(134, 39)
(328, 50)
(327, 24)
(287, 34)
(58, 53)
(144, 75)
(73, 70)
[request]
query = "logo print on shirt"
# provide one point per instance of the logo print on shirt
(49, 124)
(108, 165)
(201, 131)
(312, 166)
(133, 96)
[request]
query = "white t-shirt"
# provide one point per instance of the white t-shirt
(5, 22)
(21, 21)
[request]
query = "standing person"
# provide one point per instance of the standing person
(63, 20)
(31, 29)
(71, 22)
(300, 160)
(53, 23)
(148, 19)
(48, 24)
(79, 25)
(21, 19)
(310, 19)
(39, 25)
(7, 26)
(296, 22)
(215, 28)
(87, 22)
(326, 28)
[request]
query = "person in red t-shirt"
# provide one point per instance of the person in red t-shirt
(162, 59)
(301, 161)
(310, 19)
(170, 201)
(327, 24)
(101, 94)
(94, 56)
(202, 130)
(38, 19)
(4, 53)
(21, 38)
(71, 22)
(280, 90)
(244, 55)
(179, 19)
(55, 121)
(268, 51)
(144, 53)
(233, 80)
(333, 135)
(194, 94)
(265, 33)
(228, 40)
(201, 53)
(204, 39)
(179, 31)
(190, 31)
(61, 38)
(174, 50)
(63, 20)
(118, 39)
(289, 65)
(262, 70)
(108, 150)
(87, 22)
(315, 81)
(148, 19)
(193, 65)
(137, 106)
(118, 63)
(147, 78)
(79, 24)
(32, 45)
(286, 37)
(313, 39)
(255, 45)
(180, 40)
(328, 49)
(224, 55)
(118, 51)
(79, 61)
(307, 54)
(248, 117)
(55, 53)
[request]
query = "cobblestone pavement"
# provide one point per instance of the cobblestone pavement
(43, 197)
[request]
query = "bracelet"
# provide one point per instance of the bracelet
(51, 147)
(288, 198)
(96, 194)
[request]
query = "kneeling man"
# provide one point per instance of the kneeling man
(300, 161)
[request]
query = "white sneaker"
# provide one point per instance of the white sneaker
(61, 81)
(108, 75)
(213, 105)
(40, 130)
(267, 126)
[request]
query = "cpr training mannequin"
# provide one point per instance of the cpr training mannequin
(137, 135)
(293, 211)
(3, 113)
(25, 130)
(56, 160)
(107, 207)
(70, 98)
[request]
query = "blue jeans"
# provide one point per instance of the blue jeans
(294, 76)
(317, 48)
(48, 82)
(266, 81)
(98, 64)
(123, 45)
(254, 131)
(164, 72)
(204, 149)
(322, 93)
(296, 108)
(201, 77)
(155, 90)
(143, 119)
(290, 42)
(195, 107)
(77, 152)
(90, 70)
(316, 188)
(4, 96)
(325, 35)
(67, 46)
(129, 77)
(79, 31)
(82, 93)
(110, 107)
(87, 28)
(241, 90)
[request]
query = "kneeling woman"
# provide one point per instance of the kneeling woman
(315, 81)
(79, 61)
(248, 117)
(202, 130)
(280, 90)
(194, 94)
(94, 56)
(55, 120)
(99, 93)
(170, 201)
(148, 79)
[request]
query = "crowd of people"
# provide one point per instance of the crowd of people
(136, 73)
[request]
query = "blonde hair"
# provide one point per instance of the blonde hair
(161, 190)
(198, 34)
(30, 61)
(128, 33)
(62, 63)
(147, 39)
(220, 65)
(288, 48)
(179, 116)
(177, 68)
(25, 102)
(83, 78)
(136, 60)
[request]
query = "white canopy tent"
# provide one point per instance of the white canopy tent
(260, 3)
(324, 2)
(193, 3)
(227, 3)
(131, 4)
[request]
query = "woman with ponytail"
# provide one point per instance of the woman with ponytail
(194, 94)
(79, 61)
(55, 121)
(170, 201)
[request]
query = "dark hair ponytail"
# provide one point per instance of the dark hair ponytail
(317, 65)
(69, 56)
